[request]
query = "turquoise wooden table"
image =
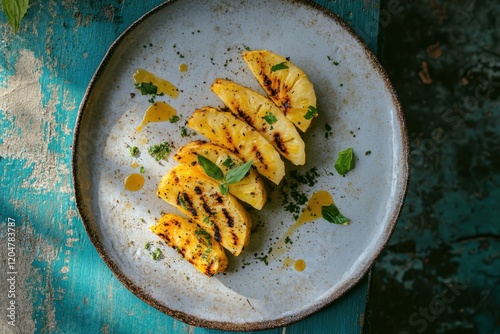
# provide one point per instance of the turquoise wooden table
(52, 280)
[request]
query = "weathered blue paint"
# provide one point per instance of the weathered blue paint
(63, 285)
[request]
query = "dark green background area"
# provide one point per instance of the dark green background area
(441, 270)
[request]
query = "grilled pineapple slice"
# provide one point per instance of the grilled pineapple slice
(264, 116)
(286, 84)
(193, 242)
(250, 189)
(227, 130)
(198, 196)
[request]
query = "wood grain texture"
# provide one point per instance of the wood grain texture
(62, 285)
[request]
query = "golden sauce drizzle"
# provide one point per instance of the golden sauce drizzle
(183, 67)
(144, 141)
(300, 265)
(288, 262)
(134, 182)
(134, 164)
(157, 112)
(311, 212)
(164, 86)
(313, 208)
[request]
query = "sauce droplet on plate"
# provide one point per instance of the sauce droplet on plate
(183, 67)
(134, 182)
(164, 86)
(300, 265)
(157, 112)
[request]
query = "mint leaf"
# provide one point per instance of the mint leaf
(174, 119)
(345, 161)
(311, 112)
(224, 188)
(146, 88)
(270, 118)
(232, 176)
(210, 168)
(228, 162)
(15, 11)
(238, 173)
(280, 66)
(332, 214)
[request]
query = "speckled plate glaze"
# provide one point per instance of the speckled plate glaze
(354, 98)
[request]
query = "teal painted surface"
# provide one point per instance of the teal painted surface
(62, 285)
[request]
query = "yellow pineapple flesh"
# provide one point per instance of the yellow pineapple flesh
(193, 242)
(198, 196)
(286, 84)
(264, 116)
(225, 129)
(250, 189)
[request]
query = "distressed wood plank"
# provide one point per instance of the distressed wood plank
(62, 284)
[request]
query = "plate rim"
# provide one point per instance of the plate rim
(400, 195)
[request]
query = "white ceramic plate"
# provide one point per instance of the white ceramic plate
(354, 98)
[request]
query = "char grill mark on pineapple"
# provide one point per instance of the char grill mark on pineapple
(241, 139)
(249, 190)
(229, 138)
(194, 244)
(235, 238)
(230, 220)
(247, 118)
(268, 83)
(206, 207)
(218, 198)
(279, 142)
(217, 235)
(258, 155)
(289, 87)
(164, 236)
(264, 116)
(210, 272)
(189, 204)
